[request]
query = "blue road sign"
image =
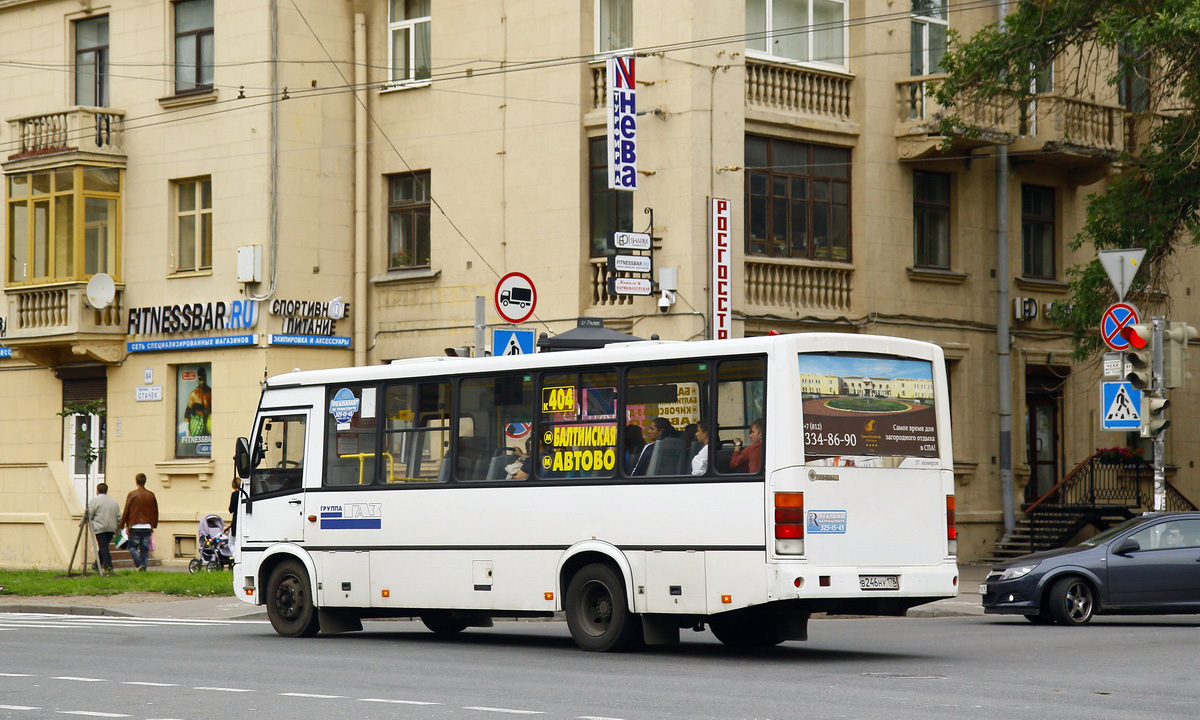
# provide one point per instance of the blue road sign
(512, 342)
(1120, 406)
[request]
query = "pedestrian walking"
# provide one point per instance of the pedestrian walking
(140, 518)
(104, 514)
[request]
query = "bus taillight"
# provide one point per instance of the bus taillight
(789, 523)
(951, 528)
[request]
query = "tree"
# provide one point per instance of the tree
(89, 453)
(1150, 49)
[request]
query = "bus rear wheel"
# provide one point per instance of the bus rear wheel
(597, 612)
(447, 623)
(753, 627)
(289, 601)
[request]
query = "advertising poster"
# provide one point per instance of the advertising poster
(868, 410)
(193, 411)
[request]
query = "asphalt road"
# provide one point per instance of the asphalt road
(969, 667)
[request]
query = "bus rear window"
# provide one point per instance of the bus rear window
(868, 410)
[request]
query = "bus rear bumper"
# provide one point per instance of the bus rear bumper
(864, 590)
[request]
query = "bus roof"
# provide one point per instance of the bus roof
(622, 352)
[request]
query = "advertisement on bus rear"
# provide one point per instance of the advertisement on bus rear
(868, 410)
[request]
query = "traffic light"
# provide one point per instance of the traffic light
(1175, 353)
(1140, 354)
(1153, 415)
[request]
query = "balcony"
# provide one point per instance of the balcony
(918, 132)
(599, 283)
(53, 325)
(78, 129)
(781, 92)
(1084, 136)
(791, 288)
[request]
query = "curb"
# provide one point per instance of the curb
(64, 610)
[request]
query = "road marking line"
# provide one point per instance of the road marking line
(79, 679)
(596, 717)
(397, 702)
(312, 695)
(18, 707)
(149, 684)
(506, 710)
(16, 675)
(90, 714)
(221, 689)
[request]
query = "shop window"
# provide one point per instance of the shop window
(193, 411)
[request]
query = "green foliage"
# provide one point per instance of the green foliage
(47, 582)
(1153, 200)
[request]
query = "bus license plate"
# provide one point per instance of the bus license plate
(879, 582)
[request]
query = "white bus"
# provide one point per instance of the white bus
(780, 476)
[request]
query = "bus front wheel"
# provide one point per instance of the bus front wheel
(289, 601)
(597, 612)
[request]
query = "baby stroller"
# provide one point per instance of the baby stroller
(213, 543)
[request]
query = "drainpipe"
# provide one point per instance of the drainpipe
(360, 189)
(1004, 384)
(273, 230)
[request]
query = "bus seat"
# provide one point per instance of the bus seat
(496, 467)
(724, 457)
(667, 457)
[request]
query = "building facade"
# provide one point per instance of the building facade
(273, 186)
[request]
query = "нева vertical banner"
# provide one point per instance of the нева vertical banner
(722, 264)
(622, 125)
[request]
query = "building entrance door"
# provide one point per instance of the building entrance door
(85, 436)
(1043, 421)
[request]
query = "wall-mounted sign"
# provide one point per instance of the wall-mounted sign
(148, 393)
(622, 124)
(630, 286)
(191, 343)
(630, 241)
(194, 317)
(309, 318)
(630, 263)
(337, 341)
(722, 269)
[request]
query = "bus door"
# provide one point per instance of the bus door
(277, 479)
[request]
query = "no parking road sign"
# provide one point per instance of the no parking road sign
(1116, 318)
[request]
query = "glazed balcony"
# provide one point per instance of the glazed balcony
(53, 324)
(78, 129)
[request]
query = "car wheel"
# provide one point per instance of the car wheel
(1040, 619)
(1072, 601)
(598, 615)
(444, 623)
(289, 601)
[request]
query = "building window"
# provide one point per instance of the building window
(611, 210)
(797, 200)
(408, 39)
(408, 220)
(193, 45)
(931, 220)
(193, 411)
(63, 224)
(193, 224)
(91, 62)
(929, 27)
(1037, 231)
(798, 30)
(614, 26)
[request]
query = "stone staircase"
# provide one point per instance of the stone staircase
(122, 560)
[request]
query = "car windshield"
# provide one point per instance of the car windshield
(1114, 531)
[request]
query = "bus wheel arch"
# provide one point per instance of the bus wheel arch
(589, 553)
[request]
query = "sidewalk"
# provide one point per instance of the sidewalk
(154, 605)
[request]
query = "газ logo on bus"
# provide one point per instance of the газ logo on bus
(352, 516)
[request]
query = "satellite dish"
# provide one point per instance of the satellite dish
(101, 290)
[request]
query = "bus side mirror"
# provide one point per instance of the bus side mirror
(241, 458)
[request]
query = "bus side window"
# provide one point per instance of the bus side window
(667, 402)
(741, 400)
(494, 420)
(280, 455)
(350, 437)
(416, 431)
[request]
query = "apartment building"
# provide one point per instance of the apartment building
(309, 184)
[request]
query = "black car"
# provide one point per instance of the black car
(1149, 565)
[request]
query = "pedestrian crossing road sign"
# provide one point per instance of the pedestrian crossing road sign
(512, 342)
(1120, 406)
